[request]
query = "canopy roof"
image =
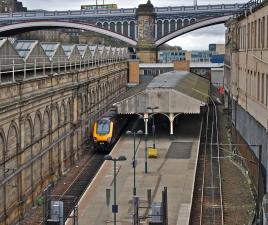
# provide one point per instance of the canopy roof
(172, 92)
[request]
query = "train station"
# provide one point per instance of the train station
(104, 121)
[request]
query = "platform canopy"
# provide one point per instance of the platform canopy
(173, 92)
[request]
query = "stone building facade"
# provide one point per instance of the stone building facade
(11, 6)
(43, 125)
(246, 77)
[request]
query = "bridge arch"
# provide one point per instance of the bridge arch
(191, 27)
(15, 28)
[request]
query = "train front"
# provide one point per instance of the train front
(103, 134)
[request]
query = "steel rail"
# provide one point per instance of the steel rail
(218, 160)
(204, 169)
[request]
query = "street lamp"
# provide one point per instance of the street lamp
(120, 158)
(145, 140)
(153, 108)
(139, 132)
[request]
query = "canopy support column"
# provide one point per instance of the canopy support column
(171, 120)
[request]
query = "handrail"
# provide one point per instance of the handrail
(248, 8)
(118, 12)
(8, 72)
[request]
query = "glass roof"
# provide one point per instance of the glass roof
(49, 48)
(23, 47)
(93, 49)
(68, 49)
(82, 49)
(1, 41)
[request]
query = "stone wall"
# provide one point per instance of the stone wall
(43, 124)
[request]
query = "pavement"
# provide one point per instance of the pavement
(174, 168)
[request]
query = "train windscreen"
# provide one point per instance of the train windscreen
(103, 127)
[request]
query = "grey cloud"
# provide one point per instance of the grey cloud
(217, 30)
(75, 4)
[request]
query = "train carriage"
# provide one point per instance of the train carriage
(107, 130)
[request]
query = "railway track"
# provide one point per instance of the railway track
(207, 207)
(76, 189)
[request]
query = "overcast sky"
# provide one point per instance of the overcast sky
(196, 40)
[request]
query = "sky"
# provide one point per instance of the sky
(195, 40)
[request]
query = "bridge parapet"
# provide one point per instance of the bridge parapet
(100, 13)
(123, 23)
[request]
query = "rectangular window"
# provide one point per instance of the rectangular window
(245, 37)
(252, 35)
(248, 35)
(267, 89)
(266, 32)
(262, 88)
(255, 34)
(263, 32)
(250, 85)
(254, 85)
(258, 87)
(259, 33)
(240, 38)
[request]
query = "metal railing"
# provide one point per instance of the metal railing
(111, 12)
(16, 68)
(248, 8)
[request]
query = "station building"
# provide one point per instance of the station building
(246, 79)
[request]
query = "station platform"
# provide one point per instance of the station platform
(174, 168)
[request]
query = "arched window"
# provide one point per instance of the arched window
(112, 26)
(125, 28)
(62, 114)
(179, 24)
(172, 25)
(2, 151)
(159, 29)
(166, 27)
(12, 142)
(119, 27)
(55, 117)
(105, 25)
(27, 133)
(185, 22)
(132, 29)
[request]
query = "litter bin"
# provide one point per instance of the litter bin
(152, 152)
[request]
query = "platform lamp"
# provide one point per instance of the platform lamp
(152, 109)
(120, 158)
(139, 132)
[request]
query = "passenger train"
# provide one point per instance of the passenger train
(107, 130)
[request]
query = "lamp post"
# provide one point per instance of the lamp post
(139, 132)
(120, 158)
(145, 140)
(153, 108)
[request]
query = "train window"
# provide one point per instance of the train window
(103, 127)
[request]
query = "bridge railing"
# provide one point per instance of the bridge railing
(113, 12)
(219, 7)
(69, 13)
(39, 67)
(248, 8)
